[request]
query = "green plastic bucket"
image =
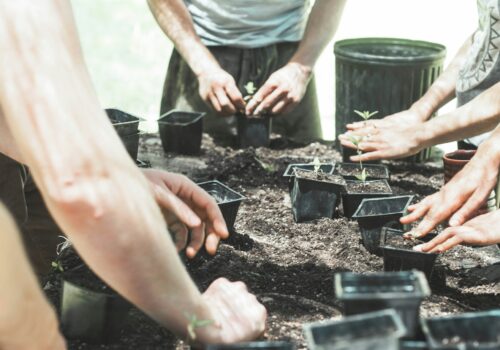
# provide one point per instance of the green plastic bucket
(383, 74)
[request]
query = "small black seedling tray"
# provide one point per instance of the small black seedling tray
(404, 259)
(474, 330)
(131, 143)
(253, 132)
(326, 168)
(125, 124)
(259, 345)
(375, 213)
(313, 199)
(372, 171)
(351, 200)
(228, 200)
(413, 345)
(181, 132)
(375, 331)
(92, 316)
(402, 291)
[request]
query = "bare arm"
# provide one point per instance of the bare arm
(90, 185)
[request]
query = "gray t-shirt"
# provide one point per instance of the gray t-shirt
(248, 23)
(482, 67)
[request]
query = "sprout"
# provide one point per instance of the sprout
(317, 164)
(362, 176)
(57, 266)
(194, 323)
(250, 88)
(365, 114)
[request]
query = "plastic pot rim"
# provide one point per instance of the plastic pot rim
(137, 119)
(339, 51)
(196, 115)
(240, 196)
(368, 193)
(383, 246)
(447, 157)
(422, 292)
(290, 168)
(407, 204)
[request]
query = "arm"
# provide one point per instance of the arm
(90, 185)
(26, 317)
(217, 87)
(286, 87)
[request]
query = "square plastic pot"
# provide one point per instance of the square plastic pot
(258, 345)
(373, 171)
(181, 132)
(352, 199)
(253, 132)
(228, 200)
(131, 143)
(92, 316)
(375, 213)
(401, 291)
(326, 168)
(371, 331)
(125, 124)
(475, 330)
(313, 199)
(400, 259)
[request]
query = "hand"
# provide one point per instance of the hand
(460, 198)
(393, 140)
(237, 314)
(482, 230)
(407, 117)
(282, 92)
(185, 205)
(218, 89)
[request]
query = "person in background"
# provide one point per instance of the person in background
(51, 121)
(220, 46)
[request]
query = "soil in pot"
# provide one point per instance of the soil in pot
(375, 331)
(479, 330)
(258, 345)
(315, 195)
(349, 171)
(326, 168)
(402, 291)
(356, 191)
(228, 200)
(253, 131)
(399, 254)
(180, 132)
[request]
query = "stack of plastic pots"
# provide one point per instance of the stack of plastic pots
(383, 74)
(127, 128)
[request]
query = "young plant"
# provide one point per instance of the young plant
(365, 114)
(356, 140)
(317, 165)
(57, 266)
(195, 323)
(268, 167)
(250, 88)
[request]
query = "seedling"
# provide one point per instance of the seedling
(365, 114)
(317, 164)
(195, 323)
(250, 88)
(57, 266)
(268, 167)
(356, 140)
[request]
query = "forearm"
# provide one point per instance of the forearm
(7, 143)
(89, 183)
(174, 19)
(321, 26)
(480, 115)
(443, 89)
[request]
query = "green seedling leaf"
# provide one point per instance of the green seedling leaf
(355, 140)
(194, 323)
(57, 266)
(317, 164)
(362, 176)
(365, 114)
(268, 167)
(250, 88)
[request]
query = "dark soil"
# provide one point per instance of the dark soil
(325, 168)
(398, 241)
(375, 186)
(353, 169)
(319, 176)
(289, 266)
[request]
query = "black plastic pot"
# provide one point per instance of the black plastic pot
(326, 168)
(375, 213)
(400, 259)
(374, 331)
(260, 345)
(313, 199)
(253, 132)
(475, 330)
(413, 345)
(92, 316)
(372, 171)
(181, 132)
(402, 291)
(228, 200)
(351, 199)
(131, 143)
(125, 124)
(382, 74)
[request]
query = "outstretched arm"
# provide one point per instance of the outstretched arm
(90, 185)
(286, 87)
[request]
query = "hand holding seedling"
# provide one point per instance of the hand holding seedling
(282, 91)
(185, 205)
(218, 89)
(482, 230)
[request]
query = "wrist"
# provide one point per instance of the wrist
(423, 110)
(490, 151)
(423, 135)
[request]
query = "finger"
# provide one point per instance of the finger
(226, 105)
(471, 207)
(212, 243)
(170, 202)
(365, 157)
(355, 126)
(214, 102)
(210, 212)
(270, 100)
(197, 239)
(235, 96)
(180, 233)
(435, 242)
(455, 240)
(279, 107)
(370, 146)
(430, 221)
(290, 105)
(259, 96)
(417, 212)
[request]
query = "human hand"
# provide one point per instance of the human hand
(282, 91)
(460, 198)
(185, 205)
(482, 230)
(218, 89)
(406, 117)
(237, 314)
